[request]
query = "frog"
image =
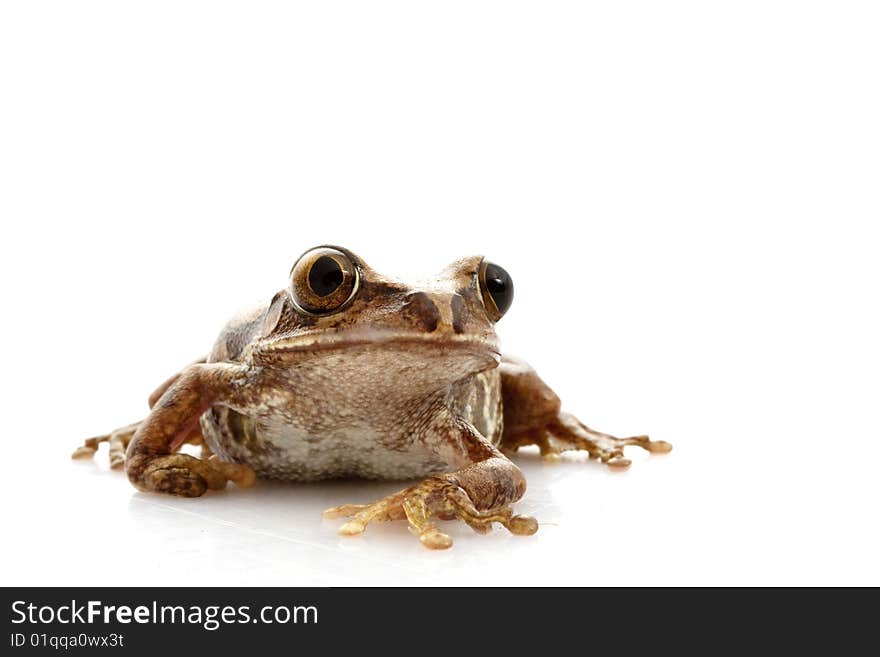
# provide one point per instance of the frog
(349, 373)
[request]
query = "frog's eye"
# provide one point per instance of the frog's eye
(496, 287)
(323, 280)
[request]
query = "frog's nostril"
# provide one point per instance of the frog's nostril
(423, 312)
(459, 313)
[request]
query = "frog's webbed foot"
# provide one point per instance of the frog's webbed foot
(438, 497)
(566, 433)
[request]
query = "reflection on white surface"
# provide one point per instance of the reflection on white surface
(274, 534)
(702, 514)
(106, 533)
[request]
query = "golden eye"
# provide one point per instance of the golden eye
(496, 287)
(323, 280)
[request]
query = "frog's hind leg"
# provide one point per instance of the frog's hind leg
(119, 440)
(568, 433)
(533, 416)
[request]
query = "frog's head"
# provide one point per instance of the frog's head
(335, 301)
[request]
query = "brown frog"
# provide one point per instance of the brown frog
(348, 373)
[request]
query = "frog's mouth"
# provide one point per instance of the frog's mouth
(439, 345)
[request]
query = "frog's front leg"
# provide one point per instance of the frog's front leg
(532, 416)
(151, 462)
(479, 493)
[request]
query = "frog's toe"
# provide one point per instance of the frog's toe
(551, 456)
(89, 447)
(239, 474)
(361, 515)
(658, 446)
(352, 528)
(522, 525)
(343, 511)
(83, 452)
(433, 539)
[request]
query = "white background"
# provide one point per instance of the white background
(686, 194)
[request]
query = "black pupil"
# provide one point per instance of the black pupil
(325, 276)
(500, 286)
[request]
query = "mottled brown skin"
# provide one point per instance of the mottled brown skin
(394, 381)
